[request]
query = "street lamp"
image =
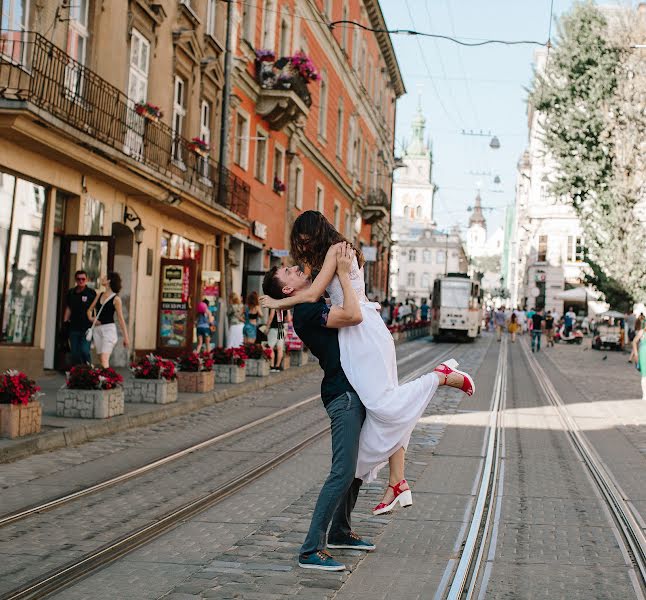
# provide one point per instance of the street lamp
(139, 238)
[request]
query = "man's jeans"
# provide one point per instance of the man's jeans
(80, 348)
(536, 340)
(340, 490)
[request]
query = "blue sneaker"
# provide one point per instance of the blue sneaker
(353, 542)
(320, 560)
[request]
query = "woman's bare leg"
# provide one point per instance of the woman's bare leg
(105, 359)
(199, 343)
(396, 464)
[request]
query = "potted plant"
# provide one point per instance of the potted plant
(279, 186)
(195, 373)
(149, 111)
(155, 381)
(20, 410)
(264, 55)
(90, 393)
(199, 146)
(258, 357)
(229, 364)
(303, 65)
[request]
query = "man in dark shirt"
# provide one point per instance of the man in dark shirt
(549, 328)
(316, 324)
(77, 301)
(538, 321)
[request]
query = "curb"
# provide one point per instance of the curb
(79, 434)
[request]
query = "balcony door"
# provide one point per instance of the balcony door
(137, 92)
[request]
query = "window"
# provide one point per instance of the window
(323, 105)
(339, 129)
(284, 43)
(77, 36)
(440, 257)
(364, 181)
(242, 140)
(320, 197)
(347, 227)
(542, 248)
(248, 21)
(137, 92)
(574, 249)
(362, 62)
(298, 188)
(337, 215)
(351, 144)
(179, 112)
(418, 211)
(412, 255)
(426, 256)
(355, 47)
(22, 217)
(279, 167)
(344, 30)
(356, 160)
(269, 24)
(327, 9)
(205, 135)
(411, 279)
(14, 15)
(210, 17)
(426, 280)
(260, 169)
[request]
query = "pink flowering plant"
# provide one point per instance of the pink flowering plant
(154, 367)
(265, 55)
(194, 362)
(87, 377)
(230, 356)
(16, 388)
(279, 186)
(303, 65)
(198, 145)
(146, 109)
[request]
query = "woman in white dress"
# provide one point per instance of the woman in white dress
(368, 360)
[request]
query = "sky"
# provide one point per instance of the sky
(471, 89)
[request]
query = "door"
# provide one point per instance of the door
(93, 254)
(137, 92)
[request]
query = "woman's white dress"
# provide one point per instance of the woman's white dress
(369, 362)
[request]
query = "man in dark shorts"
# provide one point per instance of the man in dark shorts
(538, 322)
(317, 324)
(549, 328)
(77, 301)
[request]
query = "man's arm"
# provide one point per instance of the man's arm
(350, 313)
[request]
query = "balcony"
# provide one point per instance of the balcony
(35, 73)
(375, 207)
(284, 97)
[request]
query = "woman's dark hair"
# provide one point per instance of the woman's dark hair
(319, 235)
(252, 299)
(115, 281)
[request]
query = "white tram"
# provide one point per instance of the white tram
(456, 307)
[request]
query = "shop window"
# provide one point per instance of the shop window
(22, 217)
(178, 247)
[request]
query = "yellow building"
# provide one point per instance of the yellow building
(94, 176)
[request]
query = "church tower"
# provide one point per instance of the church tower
(477, 231)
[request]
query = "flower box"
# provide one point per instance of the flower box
(298, 357)
(17, 420)
(89, 404)
(148, 111)
(199, 146)
(194, 382)
(229, 373)
(151, 391)
(257, 367)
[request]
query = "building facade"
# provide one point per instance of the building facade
(312, 128)
(547, 245)
(109, 123)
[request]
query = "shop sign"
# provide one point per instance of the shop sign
(175, 287)
(279, 253)
(260, 230)
(540, 276)
(369, 253)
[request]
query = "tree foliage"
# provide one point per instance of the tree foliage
(591, 99)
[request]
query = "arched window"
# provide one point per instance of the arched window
(406, 207)
(418, 211)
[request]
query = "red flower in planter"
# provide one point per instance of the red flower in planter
(16, 388)
(154, 367)
(194, 362)
(229, 356)
(86, 377)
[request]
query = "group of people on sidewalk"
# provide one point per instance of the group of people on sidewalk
(536, 322)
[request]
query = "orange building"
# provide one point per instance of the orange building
(312, 127)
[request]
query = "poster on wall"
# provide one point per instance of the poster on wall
(211, 293)
(175, 323)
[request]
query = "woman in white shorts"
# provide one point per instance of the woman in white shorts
(105, 305)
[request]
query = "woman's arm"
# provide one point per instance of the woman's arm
(91, 309)
(122, 322)
(315, 291)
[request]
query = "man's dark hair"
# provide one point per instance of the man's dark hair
(272, 285)
(80, 273)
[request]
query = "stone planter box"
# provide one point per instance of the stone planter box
(257, 367)
(17, 420)
(298, 358)
(194, 382)
(152, 391)
(229, 373)
(89, 404)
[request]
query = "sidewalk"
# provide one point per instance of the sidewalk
(59, 432)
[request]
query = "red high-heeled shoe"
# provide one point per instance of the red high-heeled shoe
(402, 497)
(448, 367)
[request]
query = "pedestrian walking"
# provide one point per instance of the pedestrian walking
(102, 312)
(514, 327)
(638, 354)
(423, 310)
(77, 302)
(499, 320)
(631, 321)
(252, 315)
(203, 326)
(538, 323)
(274, 341)
(570, 321)
(549, 328)
(235, 313)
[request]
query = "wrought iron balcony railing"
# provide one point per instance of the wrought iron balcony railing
(377, 197)
(33, 69)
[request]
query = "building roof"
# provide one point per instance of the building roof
(477, 218)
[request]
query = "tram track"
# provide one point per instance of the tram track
(62, 576)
